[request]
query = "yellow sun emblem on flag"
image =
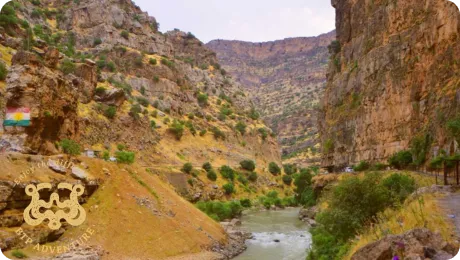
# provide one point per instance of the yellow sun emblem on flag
(18, 116)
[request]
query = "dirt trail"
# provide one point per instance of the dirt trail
(451, 205)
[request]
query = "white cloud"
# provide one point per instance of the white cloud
(249, 20)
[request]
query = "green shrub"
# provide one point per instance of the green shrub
(246, 203)
(202, 99)
(241, 127)
(153, 61)
(401, 160)
(125, 157)
(3, 71)
(110, 112)
(97, 41)
(187, 168)
(134, 111)
(211, 174)
(100, 91)
(253, 176)
(207, 166)
(274, 169)
(287, 179)
(378, 167)
(121, 147)
(242, 179)
(70, 147)
(111, 66)
(253, 114)
(18, 254)
(229, 188)
(361, 166)
(263, 133)
(248, 165)
(177, 129)
(106, 156)
(125, 34)
(143, 101)
(220, 211)
(290, 169)
(67, 66)
(218, 133)
(400, 186)
(167, 62)
(203, 132)
(153, 124)
(227, 172)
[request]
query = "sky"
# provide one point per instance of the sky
(246, 20)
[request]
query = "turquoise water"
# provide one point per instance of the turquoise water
(267, 226)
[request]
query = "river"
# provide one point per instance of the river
(268, 226)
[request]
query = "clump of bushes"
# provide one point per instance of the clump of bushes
(125, 157)
(304, 190)
(401, 160)
(18, 254)
(202, 99)
(274, 169)
(246, 203)
(211, 175)
(227, 172)
(167, 62)
(207, 166)
(177, 128)
(187, 168)
(263, 133)
(361, 166)
(70, 147)
(220, 211)
(97, 41)
(248, 165)
(153, 61)
(290, 169)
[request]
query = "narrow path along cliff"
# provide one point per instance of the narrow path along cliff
(451, 204)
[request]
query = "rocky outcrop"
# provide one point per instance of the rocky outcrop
(236, 240)
(285, 78)
(51, 96)
(392, 78)
(415, 244)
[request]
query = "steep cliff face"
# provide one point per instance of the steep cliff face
(393, 78)
(285, 79)
(99, 76)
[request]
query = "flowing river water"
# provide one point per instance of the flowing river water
(267, 228)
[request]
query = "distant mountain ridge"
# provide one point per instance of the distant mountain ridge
(285, 79)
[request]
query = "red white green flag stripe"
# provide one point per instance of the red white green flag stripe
(17, 117)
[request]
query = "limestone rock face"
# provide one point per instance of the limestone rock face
(392, 77)
(51, 96)
(285, 78)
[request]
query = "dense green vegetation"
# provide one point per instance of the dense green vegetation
(125, 157)
(220, 211)
(248, 165)
(274, 169)
(353, 203)
(70, 147)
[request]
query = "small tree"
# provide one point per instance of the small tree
(274, 169)
(153, 61)
(229, 188)
(211, 175)
(202, 99)
(401, 160)
(361, 166)
(207, 166)
(227, 172)
(248, 165)
(187, 168)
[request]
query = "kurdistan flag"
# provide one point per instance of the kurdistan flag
(17, 117)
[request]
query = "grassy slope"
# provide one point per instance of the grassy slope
(123, 227)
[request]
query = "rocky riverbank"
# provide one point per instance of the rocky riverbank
(236, 240)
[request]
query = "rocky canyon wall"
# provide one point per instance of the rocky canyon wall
(393, 78)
